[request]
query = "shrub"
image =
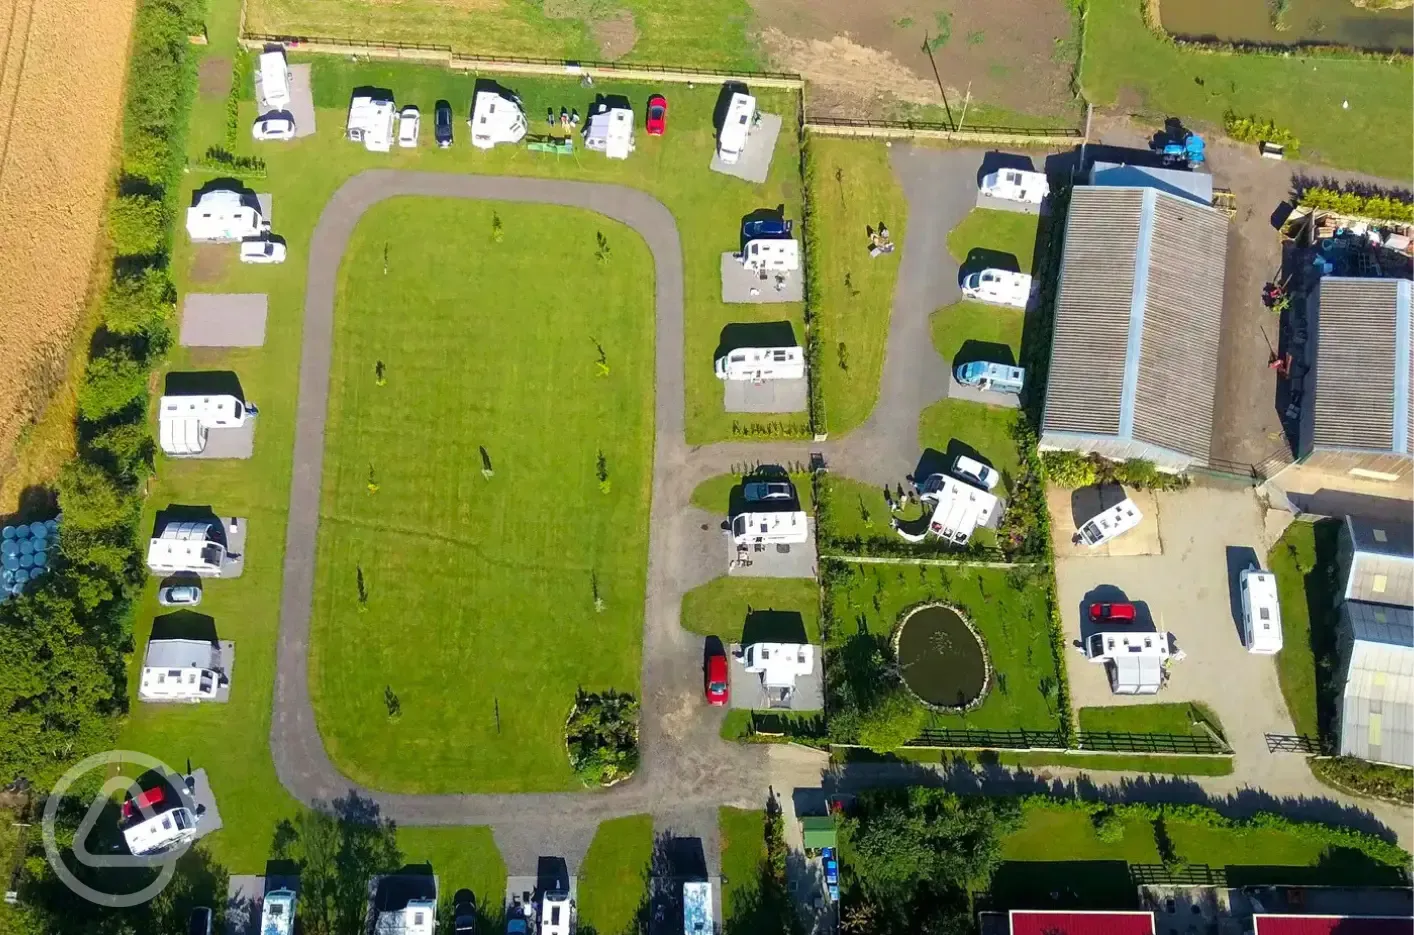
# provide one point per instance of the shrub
(1253, 130)
(1109, 827)
(137, 224)
(114, 382)
(891, 722)
(602, 737)
(1374, 779)
(141, 304)
(125, 450)
(1375, 206)
(146, 156)
(1069, 469)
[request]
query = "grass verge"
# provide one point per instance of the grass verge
(1168, 718)
(743, 843)
(752, 610)
(991, 238)
(613, 888)
(462, 858)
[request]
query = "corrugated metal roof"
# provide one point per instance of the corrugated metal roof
(1381, 562)
(1377, 702)
(1138, 316)
(1364, 369)
(1027, 922)
(1197, 186)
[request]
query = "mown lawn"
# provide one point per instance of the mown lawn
(1167, 718)
(743, 842)
(968, 331)
(613, 884)
(1302, 585)
(1127, 65)
(750, 610)
(952, 426)
(462, 858)
(1001, 239)
(472, 599)
(852, 189)
(1012, 617)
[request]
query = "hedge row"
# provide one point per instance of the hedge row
(1356, 204)
(65, 641)
(813, 265)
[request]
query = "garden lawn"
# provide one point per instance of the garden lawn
(1012, 616)
(852, 187)
(743, 842)
(613, 885)
(480, 613)
(750, 610)
(1303, 584)
(1170, 718)
(968, 331)
(462, 858)
(1127, 65)
(857, 509)
(992, 232)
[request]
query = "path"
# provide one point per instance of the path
(687, 770)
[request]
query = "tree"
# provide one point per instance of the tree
(114, 382)
(893, 721)
(126, 450)
(138, 225)
(140, 304)
(339, 848)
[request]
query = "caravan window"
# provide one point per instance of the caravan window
(779, 354)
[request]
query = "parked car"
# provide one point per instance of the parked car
(1111, 613)
(409, 123)
(657, 120)
(975, 472)
(717, 690)
(765, 228)
(179, 595)
(464, 913)
(276, 125)
(262, 251)
(768, 490)
(442, 124)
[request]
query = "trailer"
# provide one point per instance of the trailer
(736, 127)
(187, 547)
(1261, 611)
(183, 421)
(999, 287)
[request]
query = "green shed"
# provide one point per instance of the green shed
(818, 831)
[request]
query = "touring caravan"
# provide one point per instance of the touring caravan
(736, 127)
(1115, 521)
(274, 80)
(775, 254)
(183, 421)
(998, 287)
(1261, 612)
(778, 528)
(496, 118)
(225, 215)
(187, 547)
(1016, 185)
(762, 363)
(371, 122)
(610, 131)
(180, 670)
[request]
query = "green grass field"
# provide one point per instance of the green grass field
(968, 331)
(852, 188)
(480, 613)
(613, 886)
(1300, 587)
(770, 609)
(1012, 621)
(743, 844)
(995, 232)
(1171, 718)
(1128, 66)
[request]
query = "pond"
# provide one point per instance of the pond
(1330, 22)
(942, 659)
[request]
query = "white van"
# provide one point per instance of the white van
(274, 80)
(1116, 521)
(1261, 612)
(998, 287)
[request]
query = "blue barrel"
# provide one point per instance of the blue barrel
(8, 532)
(21, 531)
(9, 547)
(21, 576)
(7, 578)
(41, 560)
(52, 525)
(26, 561)
(10, 561)
(38, 530)
(26, 546)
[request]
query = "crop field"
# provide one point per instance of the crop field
(59, 116)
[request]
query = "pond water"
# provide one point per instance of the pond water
(941, 659)
(1333, 22)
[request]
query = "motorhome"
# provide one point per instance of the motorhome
(958, 508)
(736, 127)
(277, 913)
(1134, 661)
(1261, 612)
(371, 122)
(187, 547)
(274, 79)
(496, 118)
(610, 131)
(225, 215)
(183, 421)
(155, 821)
(1115, 521)
(697, 908)
(779, 664)
(1016, 185)
(999, 378)
(556, 913)
(998, 287)
(758, 364)
(776, 254)
(783, 527)
(180, 670)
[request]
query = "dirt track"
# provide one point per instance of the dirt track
(62, 65)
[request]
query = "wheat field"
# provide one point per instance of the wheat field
(62, 66)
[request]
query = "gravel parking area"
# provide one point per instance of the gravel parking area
(224, 319)
(743, 286)
(768, 396)
(754, 164)
(301, 100)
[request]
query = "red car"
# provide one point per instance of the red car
(717, 679)
(1112, 613)
(657, 120)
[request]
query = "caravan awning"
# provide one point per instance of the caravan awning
(1137, 675)
(818, 832)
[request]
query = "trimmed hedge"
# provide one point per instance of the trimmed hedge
(1377, 207)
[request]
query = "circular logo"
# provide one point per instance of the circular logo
(166, 860)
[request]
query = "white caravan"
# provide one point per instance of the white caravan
(1116, 521)
(779, 664)
(736, 127)
(183, 421)
(155, 821)
(371, 122)
(277, 913)
(1134, 661)
(998, 287)
(225, 215)
(697, 908)
(779, 528)
(275, 79)
(958, 509)
(758, 364)
(418, 917)
(776, 254)
(610, 131)
(187, 547)
(556, 913)
(496, 118)
(1261, 612)
(180, 670)
(1016, 185)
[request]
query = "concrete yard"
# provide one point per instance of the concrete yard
(765, 397)
(749, 694)
(754, 163)
(202, 802)
(234, 528)
(773, 561)
(743, 286)
(267, 205)
(1071, 508)
(217, 319)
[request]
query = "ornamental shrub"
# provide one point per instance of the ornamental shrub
(1375, 206)
(1069, 469)
(1254, 130)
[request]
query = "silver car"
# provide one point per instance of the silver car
(179, 595)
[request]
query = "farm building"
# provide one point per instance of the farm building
(1356, 417)
(371, 122)
(610, 131)
(1375, 559)
(496, 118)
(180, 670)
(1138, 314)
(225, 215)
(184, 421)
(1194, 186)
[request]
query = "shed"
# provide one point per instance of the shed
(817, 832)
(1375, 560)
(496, 118)
(225, 214)
(610, 131)
(1356, 416)
(1376, 652)
(1138, 314)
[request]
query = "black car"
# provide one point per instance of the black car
(443, 124)
(464, 913)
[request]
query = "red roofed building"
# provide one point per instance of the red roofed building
(1030, 922)
(1331, 925)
